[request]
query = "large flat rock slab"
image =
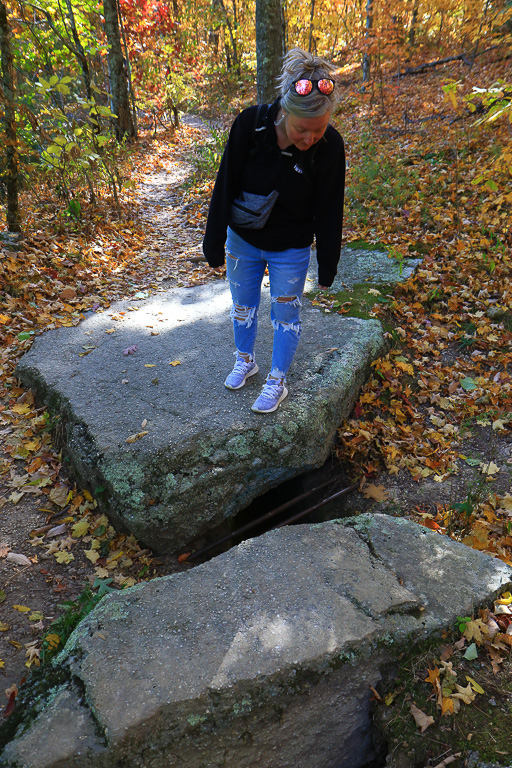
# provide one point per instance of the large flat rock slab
(263, 656)
(204, 455)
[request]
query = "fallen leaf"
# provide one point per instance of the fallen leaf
(474, 685)
(466, 695)
(433, 676)
(59, 496)
(422, 720)
(475, 630)
(175, 362)
(377, 492)
(14, 557)
(21, 608)
(471, 652)
(468, 384)
(64, 556)
(130, 350)
(489, 468)
(67, 294)
(505, 599)
(57, 530)
(80, 528)
(10, 705)
(137, 436)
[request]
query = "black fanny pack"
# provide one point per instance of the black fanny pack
(252, 211)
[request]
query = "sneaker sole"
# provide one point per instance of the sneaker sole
(251, 373)
(274, 407)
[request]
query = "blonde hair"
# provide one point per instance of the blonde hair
(297, 64)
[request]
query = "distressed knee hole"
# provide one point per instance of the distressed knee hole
(285, 299)
(295, 328)
(243, 315)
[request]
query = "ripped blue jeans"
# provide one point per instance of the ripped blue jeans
(245, 267)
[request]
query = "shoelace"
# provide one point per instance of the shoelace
(240, 365)
(270, 387)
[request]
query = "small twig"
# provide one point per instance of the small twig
(18, 573)
(448, 760)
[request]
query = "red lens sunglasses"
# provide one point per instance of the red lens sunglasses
(304, 86)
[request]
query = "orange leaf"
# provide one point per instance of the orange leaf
(429, 523)
(433, 675)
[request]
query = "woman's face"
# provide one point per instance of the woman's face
(305, 131)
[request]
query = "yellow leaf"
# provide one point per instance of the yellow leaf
(505, 599)
(149, 365)
(80, 529)
(489, 468)
(21, 608)
(64, 557)
(474, 685)
(464, 694)
(407, 367)
(175, 362)
(4, 627)
(21, 409)
(476, 630)
(92, 555)
(4, 319)
(2, 664)
(53, 641)
(87, 495)
(447, 706)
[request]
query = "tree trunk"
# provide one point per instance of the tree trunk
(414, 21)
(311, 20)
(117, 73)
(11, 138)
(80, 53)
(129, 73)
(269, 47)
(369, 24)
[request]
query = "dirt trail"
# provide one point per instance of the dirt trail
(30, 576)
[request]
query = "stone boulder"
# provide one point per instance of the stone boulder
(365, 263)
(148, 426)
(262, 657)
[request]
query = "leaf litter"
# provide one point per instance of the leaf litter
(449, 365)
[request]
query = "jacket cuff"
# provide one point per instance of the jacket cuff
(326, 278)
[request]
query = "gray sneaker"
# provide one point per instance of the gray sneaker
(240, 373)
(272, 394)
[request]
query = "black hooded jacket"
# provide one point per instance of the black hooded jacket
(311, 189)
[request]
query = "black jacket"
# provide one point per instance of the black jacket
(311, 189)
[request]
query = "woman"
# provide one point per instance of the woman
(280, 184)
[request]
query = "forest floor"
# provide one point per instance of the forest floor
(431, 434)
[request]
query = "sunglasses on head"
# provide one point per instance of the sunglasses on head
(304, 86)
